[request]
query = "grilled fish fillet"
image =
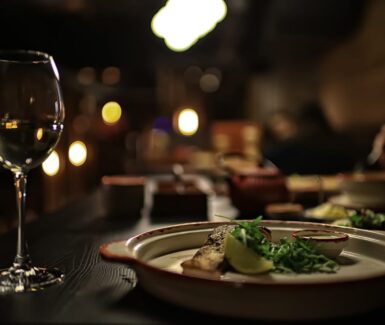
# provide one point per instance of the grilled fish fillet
(209, 260)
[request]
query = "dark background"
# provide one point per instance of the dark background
(278, 40)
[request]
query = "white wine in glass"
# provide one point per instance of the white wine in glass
(31, 122)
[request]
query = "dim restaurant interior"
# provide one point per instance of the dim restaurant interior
(193, 142)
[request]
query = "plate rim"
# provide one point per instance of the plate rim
(135, 262)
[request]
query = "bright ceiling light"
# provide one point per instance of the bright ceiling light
(77, 153)
(181, 23)
(52, 164)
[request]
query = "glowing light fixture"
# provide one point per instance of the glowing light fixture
(77, 153)
(181, 23)
(111, 113)
(51, 165)
(188, 122)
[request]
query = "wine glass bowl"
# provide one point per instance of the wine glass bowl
(31, 122)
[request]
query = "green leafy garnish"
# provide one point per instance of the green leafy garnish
(288, 256)
(368, 219)
(250, 235)
(299, 256)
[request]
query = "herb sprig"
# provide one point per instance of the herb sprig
(288, 256)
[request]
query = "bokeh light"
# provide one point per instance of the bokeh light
(77, 153)
(188, 122)
(209, 83)
(51, 165)
(181, 23)
(111, 113)
(86, 76)
(192, 74)
(111, 76)
(39, 134)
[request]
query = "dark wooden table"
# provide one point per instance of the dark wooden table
(94, 290)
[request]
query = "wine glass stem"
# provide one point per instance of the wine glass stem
(22, 259)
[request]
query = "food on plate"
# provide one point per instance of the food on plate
(247, 248)
(209, 260)
(345, 222)
(328, 211)
(288, 256)
(368, 219)
(243, 259)
(365, 219)
(329, 243)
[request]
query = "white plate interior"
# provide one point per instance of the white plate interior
(362, 258)
(357, 287)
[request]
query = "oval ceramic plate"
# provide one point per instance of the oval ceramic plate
(357, 287)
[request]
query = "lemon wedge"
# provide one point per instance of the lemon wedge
(243, 259)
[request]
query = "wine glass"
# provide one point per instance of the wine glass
(31, 122)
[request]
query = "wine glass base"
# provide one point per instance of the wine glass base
(30, 279)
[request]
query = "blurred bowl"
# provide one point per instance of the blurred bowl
(372, 183)
(250, 192)
(364, 189)
(253, 183)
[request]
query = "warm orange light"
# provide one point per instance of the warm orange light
(51, 165)
(39, 134)
(11, 125)
(111, 113)
(77, 153)
(188, 122)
